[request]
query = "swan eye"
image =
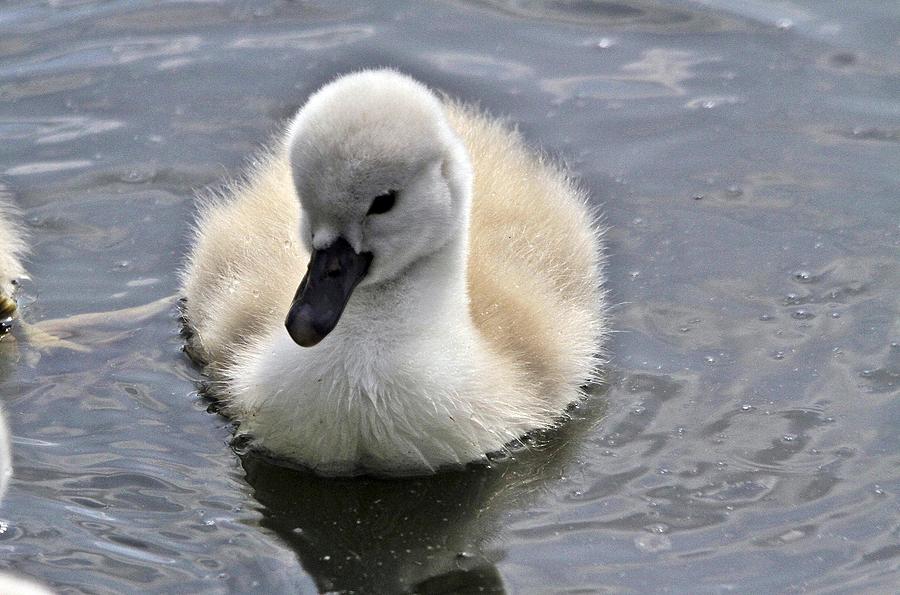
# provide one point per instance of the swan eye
(383, 203)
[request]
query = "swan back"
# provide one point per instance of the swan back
(535, 266)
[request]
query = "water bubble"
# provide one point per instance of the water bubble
(734, 191)
(657, 528)
(653, 543)
(766, 317)
(778, 355)
(792, 299)
(792, 535)
(835, 314)
(712, 102)
(802, 314)
(604, 43)
(802, 276)
(784, 24)
(878, 490)
(789, 437)
(709, 359)
(698, 197)
(136, 176)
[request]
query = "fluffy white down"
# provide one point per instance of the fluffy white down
(479, 320)
(12, 249)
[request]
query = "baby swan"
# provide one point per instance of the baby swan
(12, 248)
(452, 298)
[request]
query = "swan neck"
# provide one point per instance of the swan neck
(430, 296)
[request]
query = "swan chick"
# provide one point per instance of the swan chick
(12, 249)
(398, 285)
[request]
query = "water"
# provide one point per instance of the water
(747, 157)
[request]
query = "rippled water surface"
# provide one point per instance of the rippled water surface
(747, 157)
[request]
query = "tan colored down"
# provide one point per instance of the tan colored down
(12, 249)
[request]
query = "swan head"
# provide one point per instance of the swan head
(383, 182)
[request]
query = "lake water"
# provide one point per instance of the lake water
(747, 155)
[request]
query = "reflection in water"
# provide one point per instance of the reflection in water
(426, 534)
(469, 64)
(659, 73)
(316, 39)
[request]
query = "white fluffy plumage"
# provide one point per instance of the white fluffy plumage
(481, 315)
(12, 249)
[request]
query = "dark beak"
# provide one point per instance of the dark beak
(319, 302)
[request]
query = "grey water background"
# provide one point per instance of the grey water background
(747, 157)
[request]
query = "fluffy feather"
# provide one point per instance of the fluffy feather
(12, 249)
(480, 320)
